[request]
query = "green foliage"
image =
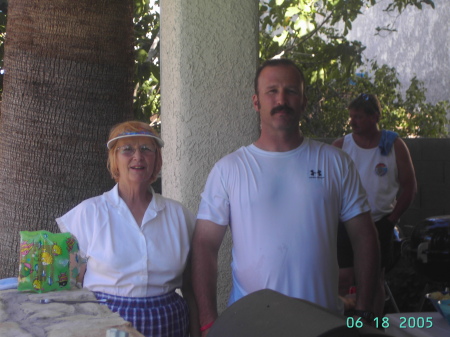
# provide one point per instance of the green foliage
(400, 5)
(3, 10)
(147, 102)
(327, 114)
(313, 34)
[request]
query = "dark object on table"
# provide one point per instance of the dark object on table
(430, 248)
(267, 313)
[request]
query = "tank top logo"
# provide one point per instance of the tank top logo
(381, 169)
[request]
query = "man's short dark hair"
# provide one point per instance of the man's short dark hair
(367, 103)
(274, 63)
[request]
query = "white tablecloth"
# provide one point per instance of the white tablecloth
(440, 326)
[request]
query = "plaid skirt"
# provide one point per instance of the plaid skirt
(160, 316)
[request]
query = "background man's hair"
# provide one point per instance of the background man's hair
(367, 103)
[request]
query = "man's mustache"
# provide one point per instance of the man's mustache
(283, 108)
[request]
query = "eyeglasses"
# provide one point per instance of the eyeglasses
(128, 150)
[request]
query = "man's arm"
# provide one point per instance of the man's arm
(366, 251)
(406, 178)
(208, 237)
(188, 295)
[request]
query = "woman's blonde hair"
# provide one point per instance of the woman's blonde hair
(131, 126)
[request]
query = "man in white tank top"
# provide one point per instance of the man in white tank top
(387, 174)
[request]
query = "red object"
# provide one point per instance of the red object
(207, 326)
(352, 290)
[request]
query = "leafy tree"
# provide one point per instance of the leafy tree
(313, 33)
(411, 116)
(3, 9)
(147, 89)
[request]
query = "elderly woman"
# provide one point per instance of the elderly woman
(136, 242)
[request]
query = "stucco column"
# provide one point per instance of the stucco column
(209, 54)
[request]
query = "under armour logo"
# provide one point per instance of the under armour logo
(316, 174)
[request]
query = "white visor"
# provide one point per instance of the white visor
(143, 133)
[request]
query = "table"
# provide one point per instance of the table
(406, 325)
(22, 314)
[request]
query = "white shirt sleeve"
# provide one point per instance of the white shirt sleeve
(354, 201)
(76, 222)
(215, 204)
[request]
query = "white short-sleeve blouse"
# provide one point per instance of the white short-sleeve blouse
(123, 258)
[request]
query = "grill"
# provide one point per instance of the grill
(429, 248)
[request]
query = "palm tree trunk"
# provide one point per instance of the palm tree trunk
(68, 79)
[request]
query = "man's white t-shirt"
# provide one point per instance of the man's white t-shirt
(283, 209)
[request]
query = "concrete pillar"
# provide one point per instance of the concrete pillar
(209, 54)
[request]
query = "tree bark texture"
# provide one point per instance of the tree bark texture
(68, 80)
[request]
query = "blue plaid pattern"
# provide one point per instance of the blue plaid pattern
(160, 316)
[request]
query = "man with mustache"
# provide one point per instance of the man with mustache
(282, 197)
